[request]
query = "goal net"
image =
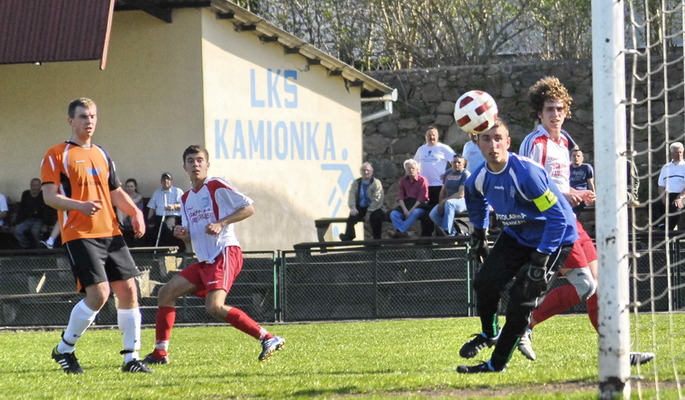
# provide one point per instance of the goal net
(639, 111)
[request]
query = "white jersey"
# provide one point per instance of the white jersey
(434, 161)
(215, 200)
(553, 154)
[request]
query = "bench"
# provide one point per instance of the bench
(322, 225)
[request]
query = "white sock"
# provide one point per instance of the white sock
(129, 324)
(162, 345)
(51, 241)
(80, 319)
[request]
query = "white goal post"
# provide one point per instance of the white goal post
(608, 69)
(638, 66)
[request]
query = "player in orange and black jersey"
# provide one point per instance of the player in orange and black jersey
(80, 181)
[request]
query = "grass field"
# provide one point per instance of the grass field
(408, 359)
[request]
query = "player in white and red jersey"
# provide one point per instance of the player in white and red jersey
(208, 210)
(551, 146)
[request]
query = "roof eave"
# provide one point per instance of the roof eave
(267, 32)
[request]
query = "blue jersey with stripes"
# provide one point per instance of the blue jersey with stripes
(526, 201)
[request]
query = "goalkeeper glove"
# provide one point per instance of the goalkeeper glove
(479, 245)
(533, 275)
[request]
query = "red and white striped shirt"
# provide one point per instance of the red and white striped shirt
(553, 154)
(215, 200)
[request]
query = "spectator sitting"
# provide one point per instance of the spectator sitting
(49, 243)
(434, 160)
(412, 198)
(165, 213)
(365, 196)
(582, 176)
(451, 197)
(672, 187)
(4, 209)
(33, 216)
(131, 188)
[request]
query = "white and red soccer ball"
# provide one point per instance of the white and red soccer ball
(475, 111)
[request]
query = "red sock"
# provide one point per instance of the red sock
(556, 302)
(593, 310)
(241, 321)
(166, 317)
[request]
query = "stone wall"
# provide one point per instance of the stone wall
(426, 97)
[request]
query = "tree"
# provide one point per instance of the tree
(399, 34)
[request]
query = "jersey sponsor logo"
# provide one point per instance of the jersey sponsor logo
(79, 161)
(498, 187)
(201, 215)
(512, 219)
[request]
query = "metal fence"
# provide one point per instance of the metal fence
(362, 282)
(37, 287)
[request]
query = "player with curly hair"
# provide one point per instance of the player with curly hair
(551, 146)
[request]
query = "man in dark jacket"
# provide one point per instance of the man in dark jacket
(33, 216)
(365, 197)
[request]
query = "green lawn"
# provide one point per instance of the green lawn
(376, 359)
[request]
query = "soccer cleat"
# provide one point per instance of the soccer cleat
(135, 366)
(525, 345)
(476, 369)
(151, 359)
(640, 358)
(270, 346)
(471, 348)
(45, 244)
(67, 361)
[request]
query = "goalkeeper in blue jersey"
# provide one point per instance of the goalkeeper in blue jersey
(539, 231)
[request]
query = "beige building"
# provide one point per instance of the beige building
(282, 120)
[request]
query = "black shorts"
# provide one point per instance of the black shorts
(100, 260)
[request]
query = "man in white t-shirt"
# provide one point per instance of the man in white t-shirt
(434, 160)
(209, 210)
(165, 213)
(472, 154)
(672, 187)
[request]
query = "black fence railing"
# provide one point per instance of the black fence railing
(377, 282)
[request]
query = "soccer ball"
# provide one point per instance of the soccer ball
(475, 111)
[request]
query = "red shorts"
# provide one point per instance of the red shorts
(583, 252)
(218, 275)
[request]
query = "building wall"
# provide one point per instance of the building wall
(285, 133)
(149, 98)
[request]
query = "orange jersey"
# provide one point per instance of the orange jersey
(83, 174)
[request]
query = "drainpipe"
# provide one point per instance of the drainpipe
(387, 99)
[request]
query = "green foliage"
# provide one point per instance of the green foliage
(377, 359)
